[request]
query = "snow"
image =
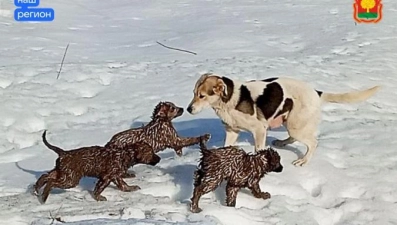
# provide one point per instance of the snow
(115, 73)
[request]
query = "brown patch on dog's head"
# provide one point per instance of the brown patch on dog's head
(167, 110)
(209, 90)
(144, 154)
(273, 160)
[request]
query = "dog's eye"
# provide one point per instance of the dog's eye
(201, 96)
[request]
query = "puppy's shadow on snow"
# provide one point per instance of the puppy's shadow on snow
(183, 176)
(87, 183)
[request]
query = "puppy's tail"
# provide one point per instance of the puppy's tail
(350, 97)
(56, 149)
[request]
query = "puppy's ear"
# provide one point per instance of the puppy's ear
(220, 88)
(160, 110)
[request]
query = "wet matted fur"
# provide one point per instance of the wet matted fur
(258, 105)
(106, 164)
(159, 133)
(239, 169)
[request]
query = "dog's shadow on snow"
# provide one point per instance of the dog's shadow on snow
(214, 126)
(86, 183)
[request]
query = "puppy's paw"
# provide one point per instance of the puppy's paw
(129, 175)
(33, 190)
(205, 137)
(195, 209)
(265, 195)
(300, 162)
(132, 188)
(178, 151)
(100, 198)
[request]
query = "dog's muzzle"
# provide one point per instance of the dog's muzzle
(180, 112)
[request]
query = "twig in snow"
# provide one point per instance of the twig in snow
(56, 217)
(59, 72)
(177, 49)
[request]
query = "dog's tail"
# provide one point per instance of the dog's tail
(350, 97)
(56, 149)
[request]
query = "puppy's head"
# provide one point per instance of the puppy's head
(208, 91)
(272, 159)
(143, 154)
(167, 110)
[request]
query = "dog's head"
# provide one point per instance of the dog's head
(167, 110)
(143, 154)
(210, 90)
(272, 159)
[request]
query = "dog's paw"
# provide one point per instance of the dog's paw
(278, 143)
(300, 162)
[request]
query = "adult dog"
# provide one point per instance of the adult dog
(257, 105)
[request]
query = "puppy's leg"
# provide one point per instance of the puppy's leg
(231, 195)
(231, 136)
(40, 183)
(179, 142)
(46, 191)
(100, 186)
(256, 191)
(120, 183)
(282, 143)
(200, 190)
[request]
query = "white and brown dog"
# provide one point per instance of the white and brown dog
(257, 105)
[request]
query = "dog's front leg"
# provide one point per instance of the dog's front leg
(260, 137)
(231, 136)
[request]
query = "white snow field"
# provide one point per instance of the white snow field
(115, 73)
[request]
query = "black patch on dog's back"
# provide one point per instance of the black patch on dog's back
(270, 100)
(319, 93)
(287, 107)
(245, 103)
(271, 79)
(230, 87)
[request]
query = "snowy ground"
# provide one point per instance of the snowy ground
(115, 73)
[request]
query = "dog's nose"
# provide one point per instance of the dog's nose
(279, 169)
(189, 109)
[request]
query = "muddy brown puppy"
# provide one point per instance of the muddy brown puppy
(106, 164)
(159, 133)
(241, 170)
